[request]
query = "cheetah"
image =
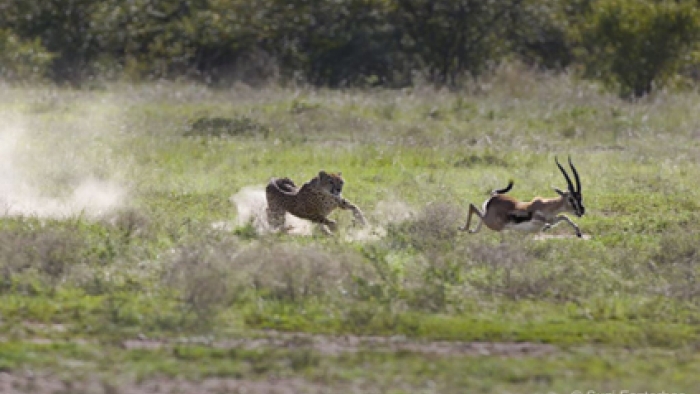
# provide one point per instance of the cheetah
(314, 201)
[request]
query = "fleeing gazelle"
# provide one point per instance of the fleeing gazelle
(502, 212)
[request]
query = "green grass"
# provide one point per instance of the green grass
(401, 372)
(120, 224)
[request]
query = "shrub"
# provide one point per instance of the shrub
(211, 274)
(434, 229)
(294, 273)
(201, 275)
(220, 126)
(677, 262)
(47, 255)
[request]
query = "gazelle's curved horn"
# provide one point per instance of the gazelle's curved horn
(568, 180)
(578, 181)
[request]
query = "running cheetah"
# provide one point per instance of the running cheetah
(314, 201)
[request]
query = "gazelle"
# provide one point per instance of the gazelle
(502, 212)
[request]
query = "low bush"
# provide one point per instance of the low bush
(221, 126)
(44, 257)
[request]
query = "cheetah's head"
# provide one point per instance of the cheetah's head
(332, 183)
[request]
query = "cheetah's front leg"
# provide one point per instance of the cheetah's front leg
(356, 212)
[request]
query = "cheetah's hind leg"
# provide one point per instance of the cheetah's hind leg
(275, 218)
(328, 226)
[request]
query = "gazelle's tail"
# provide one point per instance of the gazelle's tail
(505, 189)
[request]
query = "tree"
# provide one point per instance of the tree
(334, 43)
(539, 33)
(451, 37)
(636, 45)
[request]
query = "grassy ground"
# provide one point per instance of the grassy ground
(132, 255)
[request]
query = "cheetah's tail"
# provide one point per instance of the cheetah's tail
(284, 185)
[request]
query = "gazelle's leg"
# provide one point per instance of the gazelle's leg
(473, 210)
(563, 218)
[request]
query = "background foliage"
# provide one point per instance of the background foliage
(631, 45)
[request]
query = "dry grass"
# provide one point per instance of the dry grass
(677, 262)
(435, 227)
(293, 273)
(202, 275)
(213, 274)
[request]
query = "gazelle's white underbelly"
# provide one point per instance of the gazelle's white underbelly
(529, 226)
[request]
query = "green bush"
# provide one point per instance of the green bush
(22, 59)
(636, 45)
(64, 27)
(222, 126)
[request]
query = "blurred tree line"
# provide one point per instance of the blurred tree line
(632, 45)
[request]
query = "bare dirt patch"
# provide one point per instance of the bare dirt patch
(543, 237)
(335, 345)
(27, 381)
(30, 383)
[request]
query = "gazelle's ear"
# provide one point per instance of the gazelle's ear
(559, 192)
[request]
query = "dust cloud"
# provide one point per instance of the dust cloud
(251, 203)
(23, 190)
(385, 213)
